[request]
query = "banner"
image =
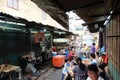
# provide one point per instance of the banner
(38, 37)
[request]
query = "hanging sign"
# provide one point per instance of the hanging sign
(38, 37)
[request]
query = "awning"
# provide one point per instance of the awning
(53, 11)
(33, 24)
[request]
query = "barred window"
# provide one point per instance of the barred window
(13, 4)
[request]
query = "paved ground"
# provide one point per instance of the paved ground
(48, 72)
(51, 74)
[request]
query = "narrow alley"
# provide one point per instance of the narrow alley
(59, 39)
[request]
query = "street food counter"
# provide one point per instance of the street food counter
(10, 69)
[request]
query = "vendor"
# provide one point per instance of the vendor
(54, 49)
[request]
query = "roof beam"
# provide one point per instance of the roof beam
(94, 16)
(60, 5)
(87, 4)
(98, 22)
(99, 15)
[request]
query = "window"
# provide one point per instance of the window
(13, 3)
(79, 29)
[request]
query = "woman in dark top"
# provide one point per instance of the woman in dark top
(80, 70)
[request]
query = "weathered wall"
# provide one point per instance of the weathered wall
(30, 11)
(113, 46)
(13, 43)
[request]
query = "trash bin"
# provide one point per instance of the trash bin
(58, 61)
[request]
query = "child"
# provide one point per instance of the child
(67, 65)
(85, 56)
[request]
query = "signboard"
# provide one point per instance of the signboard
(38, 37)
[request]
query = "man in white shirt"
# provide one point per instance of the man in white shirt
(99, 78)
(93, 73)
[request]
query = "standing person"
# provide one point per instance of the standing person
(80, 70)
(54, 49)
(92, 49)
(102, 50)
(65, 72)
(93, 73)
(84, 51)
(66, 52)
(102, 72)
(98, 58)
(85, 48)
(71, 53)
(73, 62)
(94, 61)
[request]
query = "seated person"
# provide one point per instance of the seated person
(27, 76)
(92, 60)
(60, 52)
(85, 56)
(2, 67)
(30, 68)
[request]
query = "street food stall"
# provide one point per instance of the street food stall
(12, 71)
